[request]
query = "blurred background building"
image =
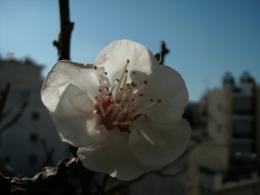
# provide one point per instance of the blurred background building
(30, 142)
(226, 161)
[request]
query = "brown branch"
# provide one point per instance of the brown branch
(164, 51)
(68, 177)
(66, 27)
(3, 98)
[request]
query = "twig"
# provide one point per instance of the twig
(66, 27)
(164, 51)
(68, 177)
(3, 98)
(14, 119)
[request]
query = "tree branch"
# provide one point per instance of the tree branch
(66, 27)
(15, 119)
(164, 51)
(68, 177)
(3, 98)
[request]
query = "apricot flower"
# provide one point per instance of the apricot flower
(124, 112)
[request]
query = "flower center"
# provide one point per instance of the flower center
(117, 104)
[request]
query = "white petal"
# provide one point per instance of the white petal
(167, 85)
(74, 118)
(62, 74)
(155, 144)
(115, 55)
(113, 157)
(163, 82)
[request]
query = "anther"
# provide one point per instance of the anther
(105, 73)
(145, 82)
(159, 100)
(141, 94)
(127, 61)
(133, 84)
(117, 80)
(151, 100)
(95, 67)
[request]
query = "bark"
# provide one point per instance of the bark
(66, 27)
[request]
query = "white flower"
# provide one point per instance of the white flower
(124, 112)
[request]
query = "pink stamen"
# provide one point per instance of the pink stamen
(117, 103)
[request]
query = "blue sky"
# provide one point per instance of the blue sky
(206, 37)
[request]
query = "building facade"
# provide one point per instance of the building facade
(227, 160)
(32, 142)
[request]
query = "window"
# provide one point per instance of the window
(243, 128)
(35, 116)
(241, 145)
(34, 137)
(243, 105)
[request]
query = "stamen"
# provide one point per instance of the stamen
(133, 84)
(100, 106)
(109, 108)
(113, 86)
(123, 74)
(102, 91)
(118, 103)
(116, 109)
(139, 89)
(144, 108)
